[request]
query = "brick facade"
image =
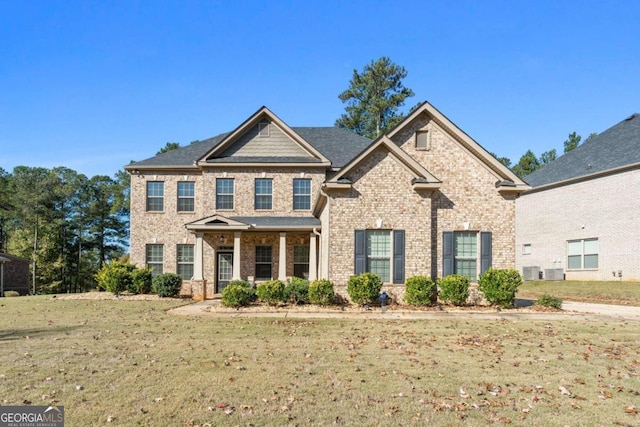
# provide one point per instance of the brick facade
(382, 195)
(598, 208)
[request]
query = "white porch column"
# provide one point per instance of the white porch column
(236, 255)
(197, 260)
(282, 259)
(313, 258)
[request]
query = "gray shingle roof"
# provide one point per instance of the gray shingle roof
(338, 145)
(616, 147)
(278, 221)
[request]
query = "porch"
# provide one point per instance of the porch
(255, 249)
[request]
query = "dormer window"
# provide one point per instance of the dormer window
(422, 140)
(263, 129)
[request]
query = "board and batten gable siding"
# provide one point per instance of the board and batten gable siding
(468, 193)
(276, 144)
(381, 190)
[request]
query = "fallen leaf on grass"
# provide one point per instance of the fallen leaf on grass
(631, 410)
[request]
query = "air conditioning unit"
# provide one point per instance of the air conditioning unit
(554, 274)
(531, 273)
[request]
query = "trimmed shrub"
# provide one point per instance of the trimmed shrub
(549, 301)
(238, 293)
(114, 277)
(500, 286)
(10, 294)
(454, 289)
(166, 284)
(141, 281)
(296, 291)
(420, 290)
(364, 288)
(271, 292)
(321, 292)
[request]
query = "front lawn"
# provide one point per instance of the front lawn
(132, 363)
(611, 292)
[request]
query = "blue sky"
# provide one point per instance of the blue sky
(92, 85)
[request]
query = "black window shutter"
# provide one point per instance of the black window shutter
(360, 252)
(447, 253)
(485, 251)
(398, 256)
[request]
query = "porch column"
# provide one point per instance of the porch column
(282, 260)
(313, 258)
(236, 255)
(197, 260)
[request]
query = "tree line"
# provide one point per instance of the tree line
(67, 224)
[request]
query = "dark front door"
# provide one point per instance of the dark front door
(224, 267)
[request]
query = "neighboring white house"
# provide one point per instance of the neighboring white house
(581, 218)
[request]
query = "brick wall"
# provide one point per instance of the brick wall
(602, 208)
(382, 190)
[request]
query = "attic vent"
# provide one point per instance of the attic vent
(422, 140)
(263, 129)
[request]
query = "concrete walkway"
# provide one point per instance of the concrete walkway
(571, 311)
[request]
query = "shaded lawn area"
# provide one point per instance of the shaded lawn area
(131, 363)
(610, 292)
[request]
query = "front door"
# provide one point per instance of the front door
(224, 267)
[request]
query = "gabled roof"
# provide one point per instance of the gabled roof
(258, 223)
(506, 179)
(616, 148)
(312, 155)
(422, 178)
(332, 145)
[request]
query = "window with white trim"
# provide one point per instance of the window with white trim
(582, 254)
(155, 258)
(185, 261)
(526, 249)
(186, 196)
(301, 261)
(155, 196)
(224, 193)
(301, 194)
(379, 253)
(263, 262)
(264, 193)
(466, 254)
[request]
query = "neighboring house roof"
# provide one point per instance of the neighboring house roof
(325, 145)
(615, 148)
(9, 258)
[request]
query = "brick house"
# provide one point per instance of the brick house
(272, 201)
(15, 273)
(580, 220)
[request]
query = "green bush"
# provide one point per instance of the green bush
(420, 290)
(10, 294)
(166, 284)
(115, 277)
(296, 291)
(141, 281)
(238, 293)
(364, 288)
(500, 286)
(549, 301)
(454, 289)
(271, 292)
(321, 292)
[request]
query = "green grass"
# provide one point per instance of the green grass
(134, 364)
(612, 292)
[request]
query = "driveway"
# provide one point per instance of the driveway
(571, 311)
